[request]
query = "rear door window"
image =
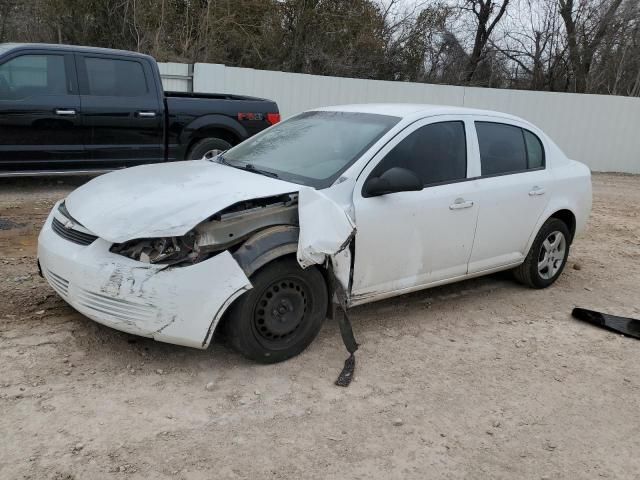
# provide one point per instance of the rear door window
(508, 149)
(535, 150)
(33, 75)
(115, 78)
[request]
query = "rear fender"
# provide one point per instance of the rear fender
(213, 121)
(572, 192)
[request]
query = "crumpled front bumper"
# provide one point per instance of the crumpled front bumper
(180, 305)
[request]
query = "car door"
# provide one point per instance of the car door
(410, 239)
(122, 111)
(39, 111)
(513, 191)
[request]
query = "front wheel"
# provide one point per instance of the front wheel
(281, 315)
(547, 257)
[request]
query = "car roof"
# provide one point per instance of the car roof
(6, 47)
(405, 110)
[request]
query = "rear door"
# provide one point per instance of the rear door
(122, 111)
(39, 111)
(513, 191)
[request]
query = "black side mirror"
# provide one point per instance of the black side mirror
(396, 179)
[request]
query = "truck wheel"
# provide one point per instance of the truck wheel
(547, 257)
(281, 315)
(207, 147)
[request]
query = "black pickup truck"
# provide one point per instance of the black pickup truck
(67, 109)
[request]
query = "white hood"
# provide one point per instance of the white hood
(165, 200)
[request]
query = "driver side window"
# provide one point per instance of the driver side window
(30, 75)
(436, 153)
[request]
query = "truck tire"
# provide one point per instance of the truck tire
(547, 257)
(207, 147)
(281, 315)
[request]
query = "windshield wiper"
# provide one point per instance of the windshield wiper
(220, 159)
(251, 167)
(243, 166)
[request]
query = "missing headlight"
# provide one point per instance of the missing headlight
(166, 251)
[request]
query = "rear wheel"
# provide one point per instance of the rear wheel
(547, 257)
(207, 148)
(281, 315)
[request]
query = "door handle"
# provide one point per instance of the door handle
(460, 203)
(535, 191)
(146, 114)
(65, 112)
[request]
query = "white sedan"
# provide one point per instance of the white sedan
(352, 203)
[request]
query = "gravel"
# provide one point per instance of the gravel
(499, 375)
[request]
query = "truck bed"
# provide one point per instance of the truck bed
(213, 96)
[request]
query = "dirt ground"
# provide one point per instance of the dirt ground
(481, 379)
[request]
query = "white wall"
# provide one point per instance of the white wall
(176, 77)
(601, 131)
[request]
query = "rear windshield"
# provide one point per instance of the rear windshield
(312, 148)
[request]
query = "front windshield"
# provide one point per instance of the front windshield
(312, 148)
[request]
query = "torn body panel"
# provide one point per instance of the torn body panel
(175, 305)
(325, 234)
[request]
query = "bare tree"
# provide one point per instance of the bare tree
(533, 42)
(5, 8)
(566, 45)
(488, 14)
(586, 26)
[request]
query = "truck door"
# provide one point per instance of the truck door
(122, 111)
(39, 111)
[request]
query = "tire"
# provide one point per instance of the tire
(281, 315)
(205, 146)
(533, 272)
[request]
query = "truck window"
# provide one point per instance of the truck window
(115, 78)
(29, 75)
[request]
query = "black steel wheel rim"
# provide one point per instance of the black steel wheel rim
(280, 312)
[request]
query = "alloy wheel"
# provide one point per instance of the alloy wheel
(551, 256)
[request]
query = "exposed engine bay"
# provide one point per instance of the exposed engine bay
(223, 230)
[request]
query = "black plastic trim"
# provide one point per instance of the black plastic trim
(74, 236)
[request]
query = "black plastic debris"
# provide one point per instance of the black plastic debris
(345, 377)
(346, 332)
(624, 325)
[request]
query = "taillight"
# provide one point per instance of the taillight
(273, 118)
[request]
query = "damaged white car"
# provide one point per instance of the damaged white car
(342, 204)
